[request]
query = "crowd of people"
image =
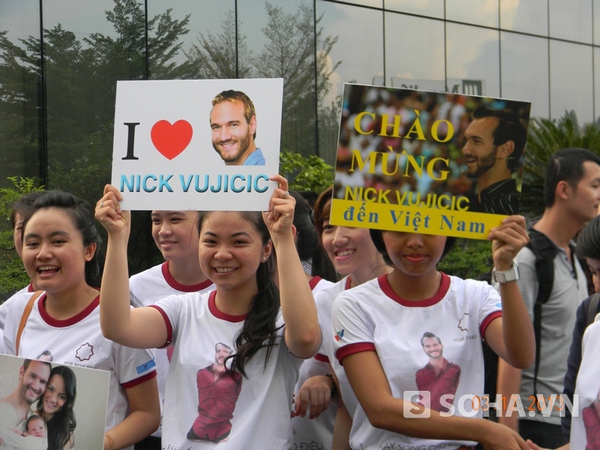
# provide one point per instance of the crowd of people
(280, 330)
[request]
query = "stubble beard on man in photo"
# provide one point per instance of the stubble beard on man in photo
(483, 164)
(243, 145)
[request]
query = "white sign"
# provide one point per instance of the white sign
(174, 150)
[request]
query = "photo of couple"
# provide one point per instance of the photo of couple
(37, 404)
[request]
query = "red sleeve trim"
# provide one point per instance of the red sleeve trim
(322, 358)
(140, 380)
(167, 323)
(486, 322)
(354, 348)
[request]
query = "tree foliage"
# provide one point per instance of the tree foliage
(61, 97)
(12, 274)
(544, 138)
(214, 56)
(469, 258)
(296, 50)
(305, 173)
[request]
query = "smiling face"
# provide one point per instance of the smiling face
(53, 252)
(176, 233)
(33, 380)
(230, 251)
(232, 135)
(432, 347)
(350, 249)
(55, 396)
(221, 352)
(479, 149)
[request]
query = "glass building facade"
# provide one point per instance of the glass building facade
(60, 60)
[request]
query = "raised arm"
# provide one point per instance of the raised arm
(511, 336)
(137, 328)
(302, 331)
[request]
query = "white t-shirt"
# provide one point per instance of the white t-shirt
(371, 317)
(261, 418)
(324, 301)
(585, 424)
(146, 288)
(78, 341)
(315, 433)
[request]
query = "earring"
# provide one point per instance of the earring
(264, 258)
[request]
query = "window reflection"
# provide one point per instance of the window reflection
(571, 20)
(211, 26)
(360, 59)
(529, 16)
(19, 106)
(413, 49)
(473, 54)
(431, 8)
(596, 20)
(477, 12)
(597, 81)
(525, 71)
(282, 42)
(570, 89)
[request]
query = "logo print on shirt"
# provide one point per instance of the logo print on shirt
(85, 352)
(339, 335)
(463, 326)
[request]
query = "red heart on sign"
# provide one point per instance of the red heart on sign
(171, 140)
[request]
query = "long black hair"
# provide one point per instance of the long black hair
(260, 327)
(308, 242)
(63, 423)
(82, 216)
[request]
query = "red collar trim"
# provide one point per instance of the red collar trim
(212, 307)
(437, 297)
(71, 320)
(182, 287)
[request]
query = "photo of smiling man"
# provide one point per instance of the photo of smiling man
(494, 143)
(439, 377)
(233, 125)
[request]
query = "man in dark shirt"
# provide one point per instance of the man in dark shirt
(439, 377)
(218, 391)
(495, 140)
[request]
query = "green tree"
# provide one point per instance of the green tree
(12, 274)
(214, 56)
(469, 258)
(80, 79)
(290, 54)
(305, 173)
(545, 137)
(296, 50)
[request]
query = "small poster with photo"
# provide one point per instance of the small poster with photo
(197, 144)
(428, 162)
(47, 405)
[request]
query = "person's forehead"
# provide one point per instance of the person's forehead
(591, 169)
(231, 107)
(39, 368)
(484, 126)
